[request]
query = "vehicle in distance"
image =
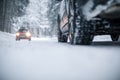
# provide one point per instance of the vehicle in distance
(23, 33)
(81, 20)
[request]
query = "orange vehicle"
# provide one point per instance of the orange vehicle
(23, 33)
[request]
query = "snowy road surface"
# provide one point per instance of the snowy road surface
(45, 59)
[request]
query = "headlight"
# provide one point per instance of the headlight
(17, 34)
(28, 34)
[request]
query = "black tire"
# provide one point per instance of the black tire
(79, 31)
(61, 37)
(29, 39)
(85, 37)
(71, 23)
(71, 34)
(17, 39)
(114, 37)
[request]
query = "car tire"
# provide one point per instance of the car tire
(114, 37)
(29, 39)
(71, 23)
(62, 38)
(79, 30)
(85, 37)
(17, 39)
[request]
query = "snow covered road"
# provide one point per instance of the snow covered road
(46, 59)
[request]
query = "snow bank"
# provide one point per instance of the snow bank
(6, 37)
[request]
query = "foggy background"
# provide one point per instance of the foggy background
(37, 15)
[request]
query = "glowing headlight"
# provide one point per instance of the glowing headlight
(28, 34)
(17, 34)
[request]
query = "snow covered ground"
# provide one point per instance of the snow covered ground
(46, 59)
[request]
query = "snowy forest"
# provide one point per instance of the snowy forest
(37, 15)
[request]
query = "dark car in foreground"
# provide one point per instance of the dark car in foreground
(81, 20)
(23, 33)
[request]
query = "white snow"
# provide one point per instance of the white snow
(35, 15)
(46, 59)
